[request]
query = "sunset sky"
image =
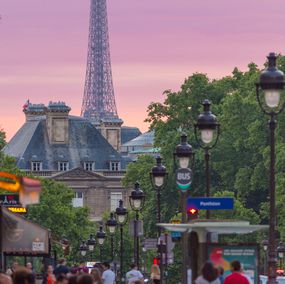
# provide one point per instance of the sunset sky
(155, 45)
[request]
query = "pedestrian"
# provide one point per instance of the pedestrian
(61, 268)
(108, 275)
(221, 274)
(134, 274)
(96, 274)
(29, 266)
(50, 277)
(155, 274)
(84, 278)
(236, 276)
(82, 268)
(23, 276)
(14, 267)
(209, 275)
(61, 279)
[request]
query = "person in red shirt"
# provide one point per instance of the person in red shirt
(236, 277)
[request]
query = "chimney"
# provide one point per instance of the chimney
(57, 122)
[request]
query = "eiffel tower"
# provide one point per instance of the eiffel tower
(98, 100)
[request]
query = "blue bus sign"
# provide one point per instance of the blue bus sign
(210, 203)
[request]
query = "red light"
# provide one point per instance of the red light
(155, 261)
(193, 211)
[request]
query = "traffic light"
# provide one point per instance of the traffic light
(193, 213)
(156, 261)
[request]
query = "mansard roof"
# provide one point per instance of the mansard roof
(86, 143)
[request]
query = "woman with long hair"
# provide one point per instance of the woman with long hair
(96, 274)
(209, 275)
(155, 274)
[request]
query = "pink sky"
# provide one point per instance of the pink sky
(155, 44)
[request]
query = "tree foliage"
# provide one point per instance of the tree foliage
(239, 162)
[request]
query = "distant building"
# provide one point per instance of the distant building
(71, 149)
(140, 145)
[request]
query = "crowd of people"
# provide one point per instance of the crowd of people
(100, 273)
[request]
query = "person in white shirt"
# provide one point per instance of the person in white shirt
(133, 275)
(108, 275)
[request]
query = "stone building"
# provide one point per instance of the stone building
(73, 150)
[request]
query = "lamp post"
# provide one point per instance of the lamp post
(121, 216)
(136, 200)
(83, 248)
(158, 177)
(207, 125)
(264, 244)
(268, 92)
(281, 253)
(185, 156)
(91, 242)
(111, 225)
(100, 235)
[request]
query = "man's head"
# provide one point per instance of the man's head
(235, 266)
(106, 265)
(29, 265)
(133, 266)
(62, 261)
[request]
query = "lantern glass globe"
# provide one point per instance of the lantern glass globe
(112, 229)
(91, 247)
(121, 219)
(137, 203)
(207, 135)
(158, 181)
(184, 162)
(272, 98)
(101, 241)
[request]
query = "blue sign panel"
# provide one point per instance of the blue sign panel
(210, 203)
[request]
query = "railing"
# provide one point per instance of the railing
(41, 173)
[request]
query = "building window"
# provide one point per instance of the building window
(62, 166)
(114, 200)
(89, 166)
(77, 201)
(114, 166)
(36, 166)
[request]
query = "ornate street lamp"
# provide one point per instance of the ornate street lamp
(83, 248)
(91, 242)
(281, 250)
(270, 96)
(136, 200)
(207, 131)
(184, 153)
(121, 216)
(111, 225)
(185, 156)
(264, 244)
(100, 235)
(158, 177)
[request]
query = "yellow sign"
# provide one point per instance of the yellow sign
(21, 210)
(175, 221)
